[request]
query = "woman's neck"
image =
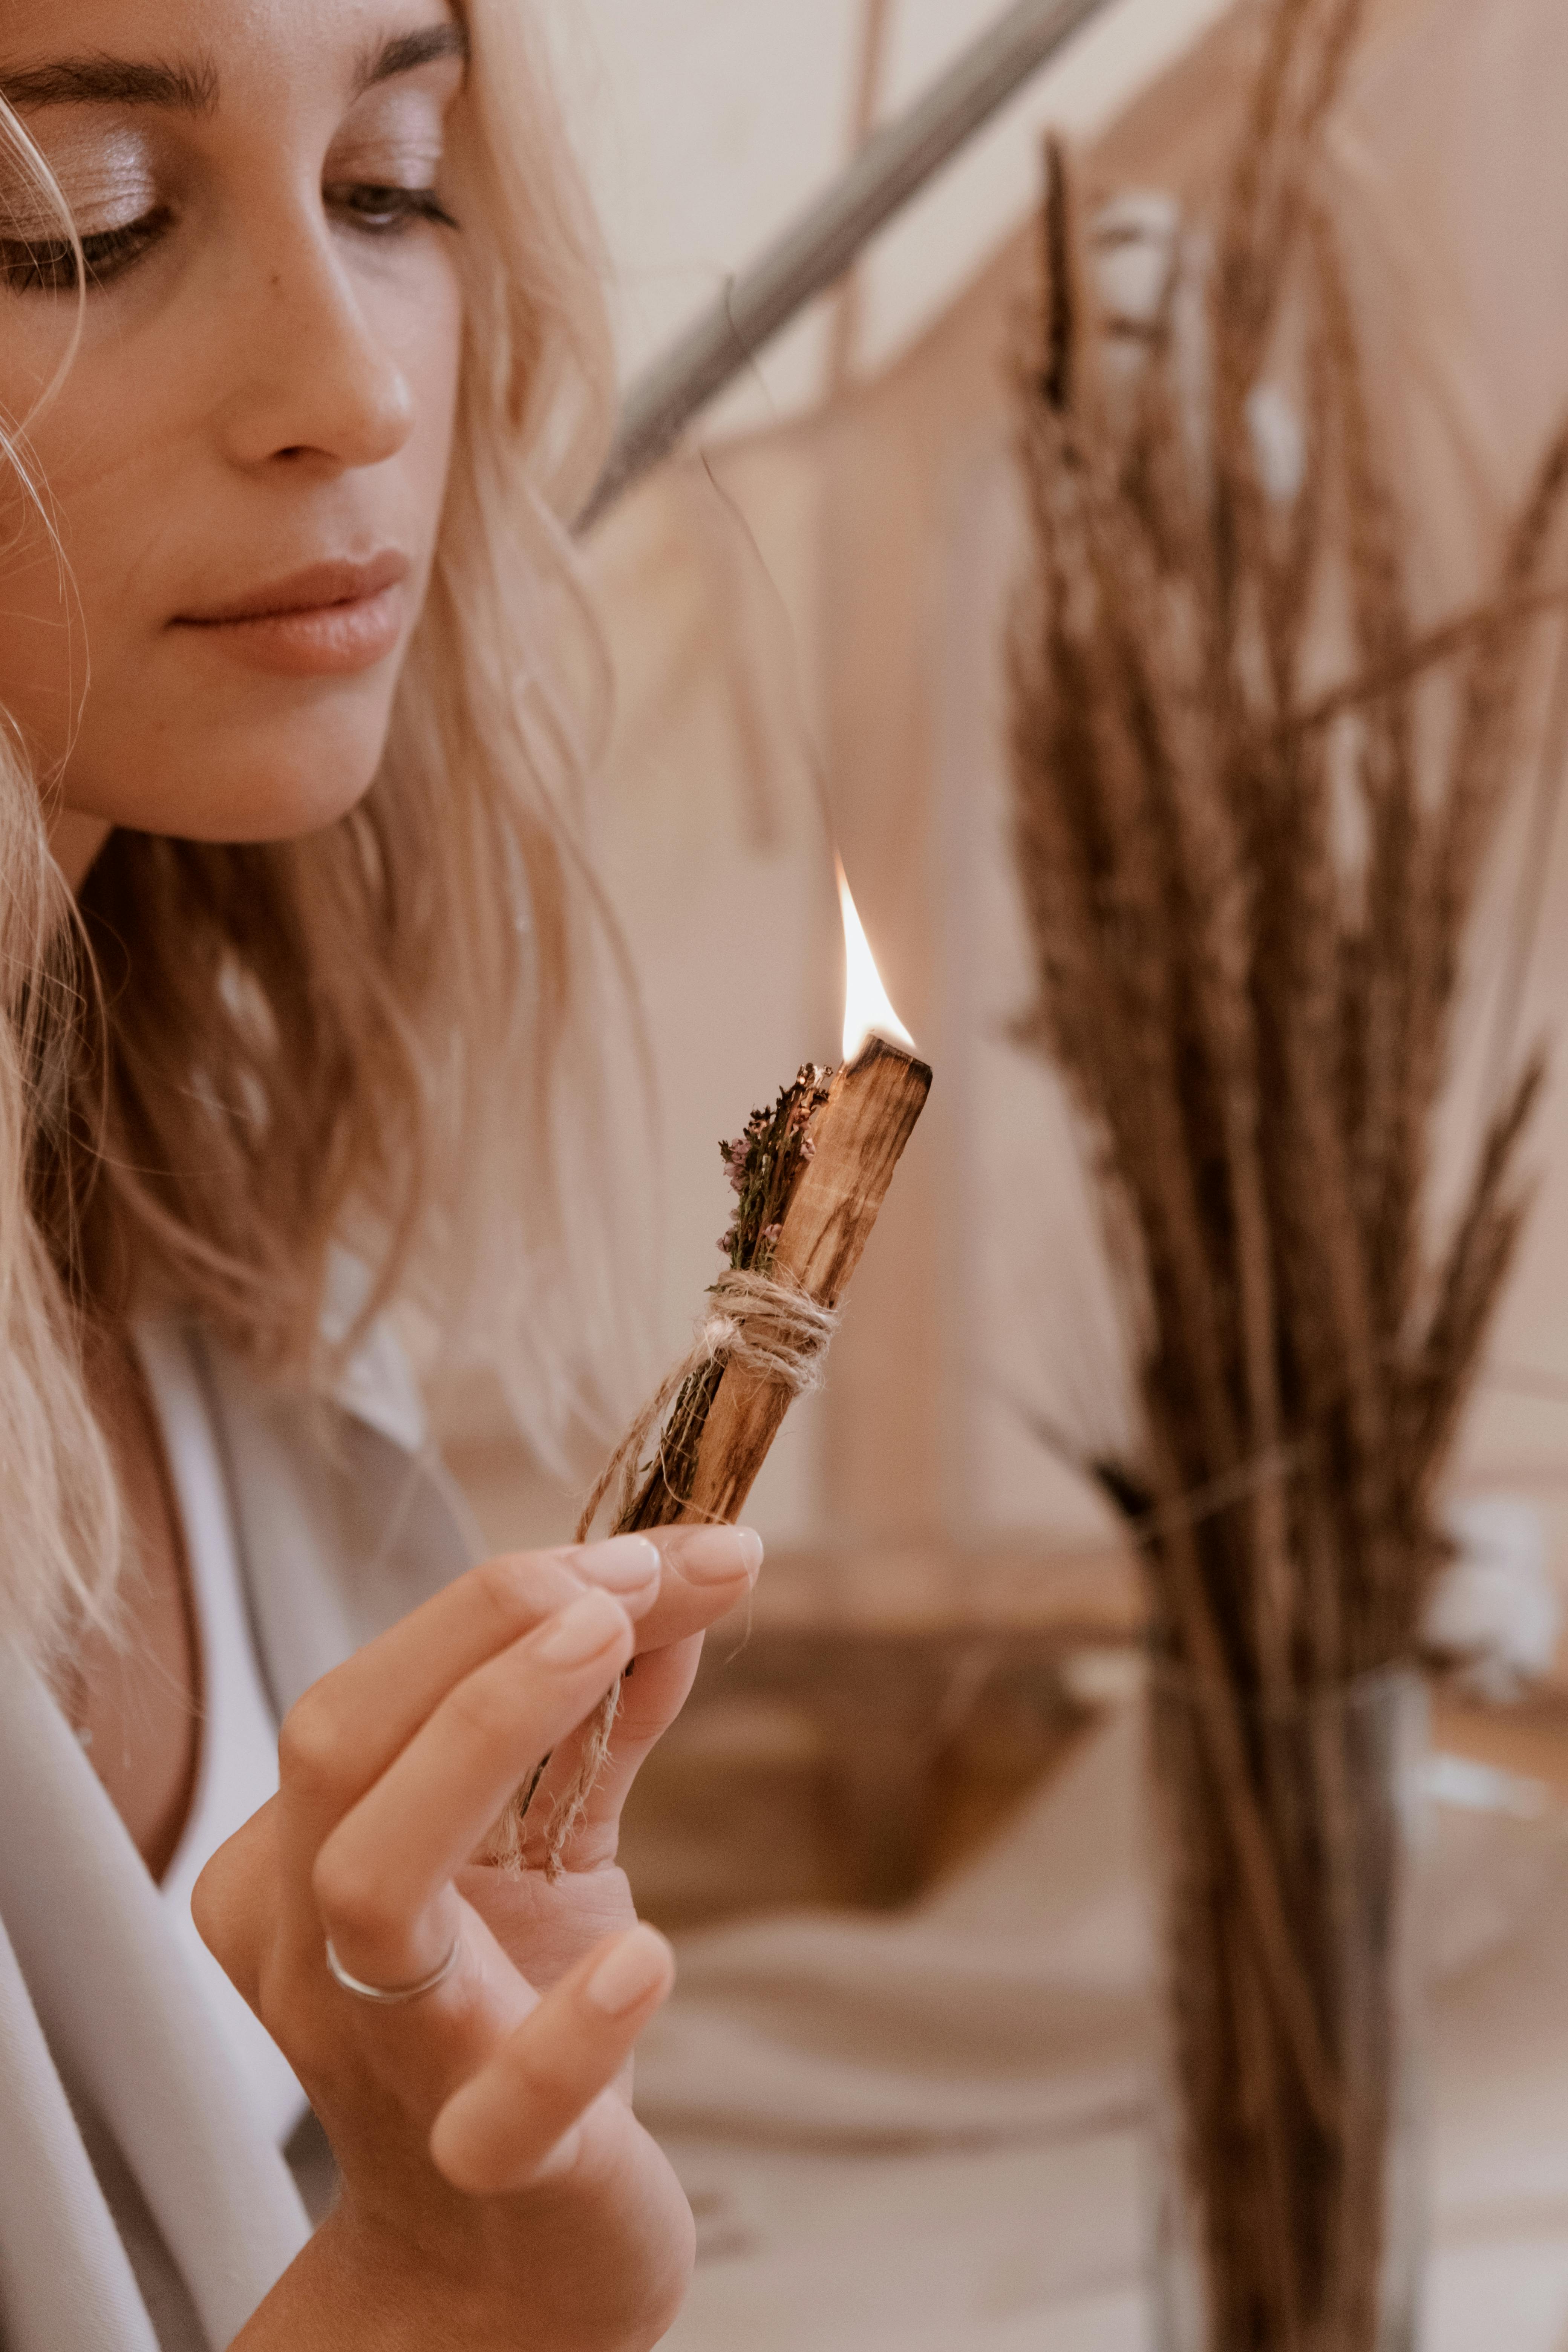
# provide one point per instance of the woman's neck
(134, 1695)
(76, 841)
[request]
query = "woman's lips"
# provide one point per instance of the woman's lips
(328, 620)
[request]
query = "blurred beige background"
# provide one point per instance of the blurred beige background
(805, 619)
(921, 2130)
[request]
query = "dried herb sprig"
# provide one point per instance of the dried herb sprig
(764, 1164)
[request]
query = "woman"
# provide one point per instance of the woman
(300, 365)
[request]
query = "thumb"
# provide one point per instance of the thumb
(234, 1901)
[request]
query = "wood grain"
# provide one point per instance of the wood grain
(859, 1134)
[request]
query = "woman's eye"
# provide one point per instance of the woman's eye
(385, 210)
(48, 264)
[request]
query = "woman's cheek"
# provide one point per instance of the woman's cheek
(424, 331)
(140, 728)
(42, 640)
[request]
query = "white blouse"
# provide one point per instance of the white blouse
(143, 2200)
(238, 1770)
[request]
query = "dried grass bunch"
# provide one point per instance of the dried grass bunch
(1246, 902)
(1247, 892)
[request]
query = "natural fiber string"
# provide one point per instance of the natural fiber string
(777, 1332)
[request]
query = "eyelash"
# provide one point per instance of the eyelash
(384, 211)
(49, 265)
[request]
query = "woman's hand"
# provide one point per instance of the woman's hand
(498, 2192)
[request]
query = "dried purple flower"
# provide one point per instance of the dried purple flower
(764, 1161)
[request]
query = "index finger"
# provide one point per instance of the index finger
(349, 1728)
(708, 1571)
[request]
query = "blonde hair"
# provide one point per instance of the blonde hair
(384, 1037)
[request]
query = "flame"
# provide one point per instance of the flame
(866, 1012)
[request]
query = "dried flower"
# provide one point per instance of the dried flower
(763, 1163)
(735, 1156)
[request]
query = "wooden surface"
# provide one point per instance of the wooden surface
(1529, 1738)
(879, 1708)
(1087, 1596)
(1081, 1599)
(847, 1768)
(859, 1134)
(852, 1766)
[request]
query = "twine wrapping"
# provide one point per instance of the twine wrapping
(775, 1331)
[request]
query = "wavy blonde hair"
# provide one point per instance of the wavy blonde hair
(384, 1037)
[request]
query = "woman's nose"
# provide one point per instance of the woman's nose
(311, 378)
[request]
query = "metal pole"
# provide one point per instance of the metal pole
(893, 166)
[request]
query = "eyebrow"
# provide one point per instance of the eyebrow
(407, 52)
(113, 81)
(194, 89)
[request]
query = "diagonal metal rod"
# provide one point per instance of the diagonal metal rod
(893, 166)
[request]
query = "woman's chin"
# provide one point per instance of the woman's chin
(270, 814)
(295, 792)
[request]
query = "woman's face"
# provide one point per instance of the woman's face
(246, 462)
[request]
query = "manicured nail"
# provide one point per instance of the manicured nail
(622, 1563)
(640, 1964)
(591, 1623)
(715, 1555)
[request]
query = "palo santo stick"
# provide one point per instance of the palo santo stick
(714, 1419)
(859, 1134)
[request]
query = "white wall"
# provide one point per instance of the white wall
(705, 125)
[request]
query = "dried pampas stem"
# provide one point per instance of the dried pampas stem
(1247, 894)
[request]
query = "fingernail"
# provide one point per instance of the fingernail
(640, 1963)
(591, 1623)
(714, 1555)
(622, 1563)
